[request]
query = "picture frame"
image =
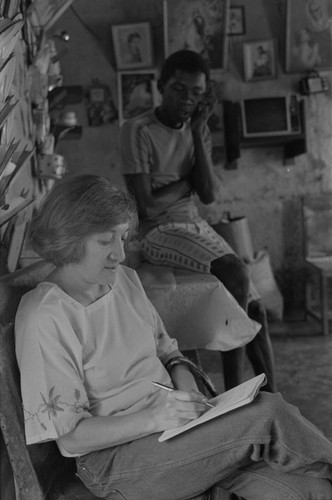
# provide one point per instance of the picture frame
(260, 60)
(308, 39)
(137, 93)
(216, 119)
(199, 25)
(132, 45)
(236, 21)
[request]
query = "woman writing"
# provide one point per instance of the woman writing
(88, 345)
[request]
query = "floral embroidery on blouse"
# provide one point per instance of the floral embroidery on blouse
(52, 405)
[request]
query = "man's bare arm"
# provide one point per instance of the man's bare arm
(154, 202)
(203, 178)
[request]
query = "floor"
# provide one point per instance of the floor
(303, 360)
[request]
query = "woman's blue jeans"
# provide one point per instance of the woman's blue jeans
(263, 451)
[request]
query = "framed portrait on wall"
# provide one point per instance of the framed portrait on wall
(308, 35)
(216, 119)
(132, 45)
(236, 21)
(198, 25)
(260, 60)
(137, 92)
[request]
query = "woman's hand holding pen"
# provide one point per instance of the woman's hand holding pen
(175, 408)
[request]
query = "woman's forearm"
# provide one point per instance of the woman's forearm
(183, 379)
(96, 433)
(165, 410)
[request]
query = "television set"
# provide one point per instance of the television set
(270, 116)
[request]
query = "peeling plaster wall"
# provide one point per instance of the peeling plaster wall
(262, 184)
(261, 188)
(270, 195)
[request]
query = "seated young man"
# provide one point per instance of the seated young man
(166, 160)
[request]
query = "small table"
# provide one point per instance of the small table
(197, 309)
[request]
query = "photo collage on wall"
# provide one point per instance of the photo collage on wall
(208, 27)
(136, 77)
(199, 25)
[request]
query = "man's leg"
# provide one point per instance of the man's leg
(229, 269)
(234, 275)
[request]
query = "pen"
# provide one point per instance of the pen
(170, 389)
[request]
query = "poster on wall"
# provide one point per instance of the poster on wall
(137, 93)
(259, 60)
(236, 21)
(216, 120)
(308, 35)
(132, 45)
(199, 25)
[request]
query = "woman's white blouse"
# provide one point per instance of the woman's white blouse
(77, 361)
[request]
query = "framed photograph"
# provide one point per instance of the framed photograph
(132, 45)
(260, 60)
(137, 92)
(308, 35)
(198, 25)
(236, 22)
(216, 120)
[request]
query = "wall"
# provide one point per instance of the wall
(261, 188)
(91, 55)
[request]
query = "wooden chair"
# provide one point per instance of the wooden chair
(39, 471)
(317, 229)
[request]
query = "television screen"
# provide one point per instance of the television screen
(265, 115)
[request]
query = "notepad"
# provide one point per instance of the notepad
(240, 395)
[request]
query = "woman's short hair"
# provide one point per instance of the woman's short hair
(76, 208)
(184, 60)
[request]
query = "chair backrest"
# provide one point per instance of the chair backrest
(34, 466)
